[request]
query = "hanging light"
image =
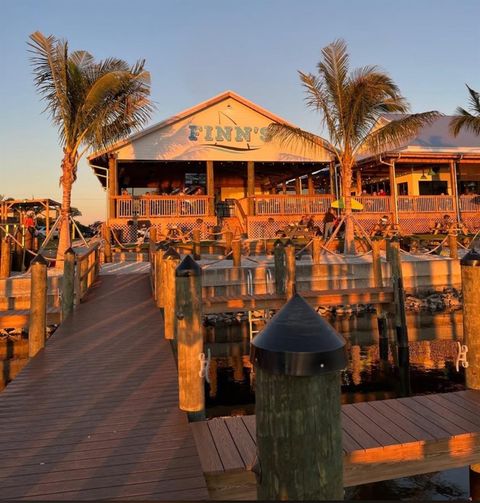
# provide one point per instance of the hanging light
(423, 177)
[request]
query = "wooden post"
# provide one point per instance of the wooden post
(68, 283)
(470, 270)
(28, 246)
(170, 262)
(284, 188)
(18, 250)
(197, 238)
(359, 182)
(316, 250)
(400, 317)
(237, 253)
(107, 250)
(37, 329)
(228, 242)
(298, 186)
(210, 188)
(381, 314)
(453, 244)
(280, 272)
(251, 187)
(298, 406)
(310, 185)
(47, 217)
(454, 191)
(152, 240)
(159, 288)
(6, 258)
(393, 192)
(290, 277)
(112, 186)
(189, 337)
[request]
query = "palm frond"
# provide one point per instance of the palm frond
(297, 138)
(396, 132)
(463, 119)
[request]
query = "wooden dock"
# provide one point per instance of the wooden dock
(95, 415)
(381, 440)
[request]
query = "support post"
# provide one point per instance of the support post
(189, 337)
(298, 406)
(112, 186)
(453, 182)
(470, 270)
(197, 238)
(280, 267)
(237, 253)
(68, 283)
(310, 185)
(290, 277)
(400, 318)
(37, 328)
(393, 192)
(251, 187)
(18, 250)
(107, 250)
(453, 244)
(28, 257)
(158, 280)
(359, 182)
(382, 323)
(152, 240)
(298, 186)
(47, 217)
(210, 188)
(228, 242)
(6, 258)
(170, 260)
(316, 249)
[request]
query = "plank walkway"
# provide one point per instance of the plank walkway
(381, 440)
(95, 415)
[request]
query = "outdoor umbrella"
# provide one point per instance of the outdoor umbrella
(340, 203)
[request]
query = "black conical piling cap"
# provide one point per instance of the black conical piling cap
(39, 259)
(472, 259)
(171, 254)
(298, 342)
(163, 245)
(69, 251)
(188, 267)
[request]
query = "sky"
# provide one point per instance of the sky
(196, 49)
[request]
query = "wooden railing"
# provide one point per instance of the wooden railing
(161, 206)
(469, 203)
(292, 205)
(425, 204)
(374, 204)
(86, 270)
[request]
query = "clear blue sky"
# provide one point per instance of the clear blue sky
(196, 49)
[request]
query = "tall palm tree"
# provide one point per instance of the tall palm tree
(351, 104)
(464, 119)
(93, 104)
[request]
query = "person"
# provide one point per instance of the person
(29, 221)
(382, 228)
(443, 226)
(329, 222)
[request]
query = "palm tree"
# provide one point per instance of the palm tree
(93, 104)
(466, 120)
(351, 104)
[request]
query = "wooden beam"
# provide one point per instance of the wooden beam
(112, 185)
(251, 187)
(210, 188)
(393, 191)
(298, 186)
(359, 182)
(310, 185)
(453, 181)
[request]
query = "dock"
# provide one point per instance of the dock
(95, 415)
(382, 440)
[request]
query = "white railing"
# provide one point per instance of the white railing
(469, 203)
(160, 206)
(425, 204)
(374, 204)
(292, 205)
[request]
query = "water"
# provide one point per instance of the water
(432, 348)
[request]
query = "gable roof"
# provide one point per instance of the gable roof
(185, 114)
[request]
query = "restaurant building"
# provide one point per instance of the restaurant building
(211, 166)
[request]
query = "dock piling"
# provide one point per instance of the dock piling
(37, 329)
(189, 336)
(197, 238)
(453, 244)
(237, 253)
(170, 261)
(316, 249)
(107, 249)
(280, 267)
(6, 258)
(382, 322)
(152, 240)
(290, 277)
(298, 425)
(228, 242)
(158, 257)
(68, 283)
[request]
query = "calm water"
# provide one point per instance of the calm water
(432, 349)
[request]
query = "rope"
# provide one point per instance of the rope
(138, 243)
(205, 266)
(35, 254)
(300, 252)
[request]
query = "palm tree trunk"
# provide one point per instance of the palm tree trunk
(66, 180)
(349, 241)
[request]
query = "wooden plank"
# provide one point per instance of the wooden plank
(349, 443)
(243, 441)
(225, 445)
(209, 457)
(367, 424)
(251, 425)
(358, 433)
(20, 318)
(399, 434)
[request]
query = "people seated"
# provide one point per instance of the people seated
(444, 225)
(385, 228)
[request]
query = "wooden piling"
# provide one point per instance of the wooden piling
(316, 249)
(228, 242)
(18, 250)
(237, 253)
(470, 270)
(159, 289)
(152, 240)
(170, 262)
(6, 258)
(37, 329)
(290, 277)
(107, 250)
(197, 239)
(28, 257)
(189, 335)
(298, 416)
(280, 267)
(68, 283)
(382, 320)
(453, 245)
